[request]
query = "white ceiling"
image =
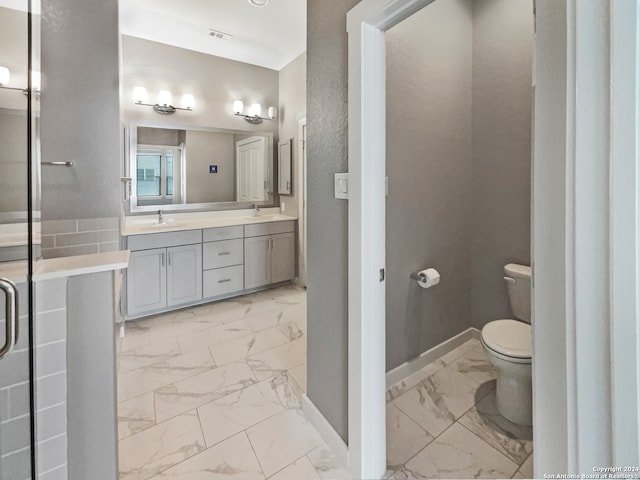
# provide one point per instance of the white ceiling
(270, 36)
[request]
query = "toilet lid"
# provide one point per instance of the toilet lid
(508, 337)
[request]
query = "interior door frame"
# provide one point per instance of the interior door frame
(302, 201)
(585, 234)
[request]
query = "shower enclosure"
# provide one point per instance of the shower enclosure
(19, 234)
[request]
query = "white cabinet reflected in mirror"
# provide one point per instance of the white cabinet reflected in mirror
(284, 167)
(198, 169)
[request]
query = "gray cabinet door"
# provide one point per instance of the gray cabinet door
(283, 257)
(257, 262)
(184, 274)
(146, 281)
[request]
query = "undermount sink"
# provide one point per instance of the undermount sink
(259, 218)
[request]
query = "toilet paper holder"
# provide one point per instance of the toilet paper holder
(418, 276)
(427, 278)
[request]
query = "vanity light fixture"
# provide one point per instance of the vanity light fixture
(163, 107)
(253, 115)
(5, 78)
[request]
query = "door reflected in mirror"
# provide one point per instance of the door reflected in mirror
(202, 168)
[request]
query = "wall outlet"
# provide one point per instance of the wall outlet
(282, 205)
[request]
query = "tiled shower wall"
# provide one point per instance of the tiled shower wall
(65, 238)
(51, 375)
(51, 387)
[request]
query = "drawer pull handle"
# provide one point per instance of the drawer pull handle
(221, 254)
(224, 281)
(223, 234)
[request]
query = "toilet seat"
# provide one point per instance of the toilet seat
(509, 339)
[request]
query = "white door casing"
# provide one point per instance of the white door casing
(302, 201)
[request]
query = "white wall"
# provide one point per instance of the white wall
(204, 149)
(214, 82)
(293, 103)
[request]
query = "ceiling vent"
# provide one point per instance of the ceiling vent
(219, 34)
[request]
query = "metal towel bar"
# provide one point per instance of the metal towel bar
(58, 164)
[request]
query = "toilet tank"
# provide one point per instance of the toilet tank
(518, 279)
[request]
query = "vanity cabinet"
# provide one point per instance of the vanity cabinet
(223, 261)
(173, 269)
(184, 274)
(146, 281)
(164, 271)
(269, 254)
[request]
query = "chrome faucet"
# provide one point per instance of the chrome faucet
(160, 218)
(256, 210)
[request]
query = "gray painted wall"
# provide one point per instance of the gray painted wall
(159, 136)
(204, 149)
(429, 60)
(215, 83)
(293, 102)
(502, 112)
(91, 377)
(327, 229)
(13, 161)
(80, 119)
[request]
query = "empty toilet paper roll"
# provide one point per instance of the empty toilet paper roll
(428, 278)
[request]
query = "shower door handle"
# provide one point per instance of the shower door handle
(11, 315)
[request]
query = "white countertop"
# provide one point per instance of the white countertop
(66, 266)
(144, 224)
(80, 265)
(15, 234)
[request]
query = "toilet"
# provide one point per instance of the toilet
(508, 346)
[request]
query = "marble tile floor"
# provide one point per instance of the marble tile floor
(442, 423)
(213, 392)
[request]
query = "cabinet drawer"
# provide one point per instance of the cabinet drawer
(222, 233)
(269, 228)
(222, 281)
(222, 254)
(166, 239)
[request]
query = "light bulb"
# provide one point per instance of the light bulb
(5, 75)
(164, 97)
(272, 112)
(255, 110)
(238, 107)
(140, 95)
(188, 101)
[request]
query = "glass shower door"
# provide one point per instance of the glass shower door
(19, 234)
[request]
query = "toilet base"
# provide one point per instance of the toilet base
(514, 397)
(513, 389)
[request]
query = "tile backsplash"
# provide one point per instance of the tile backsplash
(66, 238)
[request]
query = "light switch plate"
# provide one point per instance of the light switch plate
(341, 186)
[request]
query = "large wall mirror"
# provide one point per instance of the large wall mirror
(189, 168)
(19, 132)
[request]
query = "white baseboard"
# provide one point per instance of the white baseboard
(403, 371)
(330, 436)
